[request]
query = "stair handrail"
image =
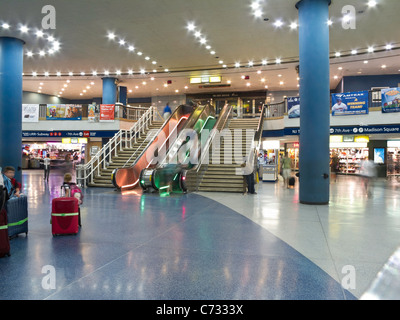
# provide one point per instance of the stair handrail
(123, 136)
(221, 124)
(255, 144)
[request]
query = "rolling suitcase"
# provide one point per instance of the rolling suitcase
(292, 182)
(65, 216)
(17, 216)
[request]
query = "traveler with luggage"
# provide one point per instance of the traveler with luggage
(286, 168)
(70, 189)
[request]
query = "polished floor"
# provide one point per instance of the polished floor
(205, 246)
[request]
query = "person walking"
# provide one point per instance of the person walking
(286, 169)
(46, 164)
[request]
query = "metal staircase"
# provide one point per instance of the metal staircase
(226, 157)
(125, 157)
(120, 151)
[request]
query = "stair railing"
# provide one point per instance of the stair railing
(123, 138)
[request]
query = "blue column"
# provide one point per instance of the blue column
(11, 68)
(109, 91)
(314, 99)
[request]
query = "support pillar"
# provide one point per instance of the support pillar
(314, 98)
(11, 68)
(109, 91)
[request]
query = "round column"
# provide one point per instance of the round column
(11, 68)
(314, 98)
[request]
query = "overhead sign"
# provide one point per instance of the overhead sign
(391, 100)
(68, 134)
(351, 103)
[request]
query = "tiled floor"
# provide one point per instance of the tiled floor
(204, 246)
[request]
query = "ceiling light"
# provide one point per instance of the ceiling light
(50, 38)
(131, 48)
(92, 83)
(88, 87)
(166, 70)
(5, 26)
(147, 58)
(278, 23)
(389, 47)
(197, 34)
(208, 47)
(65, 86)
(366, 61)
(281, 83)
(130, 72)
(264, 62)
(24, 29)
(371, 3)
(251, 63)
(58, 74)
(142, 71)
(46, 74)
(154, 62)
(39, 34)
(144, 83)
(212, 52)
(329, 22)
(70, 74)
(248, 84)
(106, 72)
(118, 72)
(140, 53)
(354, 51)
(82, 73)
(346, 18)
(152, 78)
(278, 61)
(220, 62)
(255, 5)
(130, 91)
(203, 40)
(34, 74)
(371, 49)
(335, 77)
(42, 53)
(337, 54)
(383, 66)
(94, 73)
(191, 26)
(258, 13)
(293, 25)
(121, 42)
(68, 81)
(237, 65)
(29, 53)
(111, 36)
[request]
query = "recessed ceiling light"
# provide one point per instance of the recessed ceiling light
(24, 29)
(264, 62)
(39, 33)
(237, 64)
(111, 36)
(121, 42)
(371, 49)
(278, 61)
(383, 66)
(94, 73)
(354, 51)
(5, 26)
(106, 72)
(329, 22)
(338, 54)
(140, 53)
(371, 3)
(147, 58)
(34, 73)
(29, 54)
(191, 26)
(82, 73)
(70, 74)
(293, 25)
(130, 72)
(278, 23)
(42, 53)
(197, 34)
(248, 84)
(212, 52)
(258, 13)
(131, 48)
(365, 61)
(389, 47)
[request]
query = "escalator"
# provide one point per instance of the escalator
(185, 154)
(128, 178)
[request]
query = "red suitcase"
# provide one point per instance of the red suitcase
(65, 216)
(4, 239)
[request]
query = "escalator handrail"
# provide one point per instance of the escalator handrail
(221, 123)
(190, 124)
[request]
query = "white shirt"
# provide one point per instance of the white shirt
(46, 162)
